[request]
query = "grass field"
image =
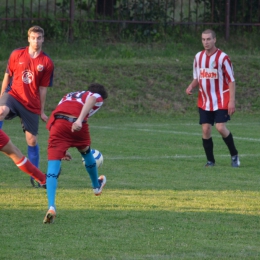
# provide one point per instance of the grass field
(159, 201)
(145, 78)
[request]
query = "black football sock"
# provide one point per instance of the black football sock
(229, 141)
(208, 147)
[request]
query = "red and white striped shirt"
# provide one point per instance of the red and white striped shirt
(213, 73)
(72, 104)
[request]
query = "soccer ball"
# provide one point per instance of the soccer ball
(98, 157)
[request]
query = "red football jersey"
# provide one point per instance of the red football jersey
(213, 73)
(28, 74)
(72, 103)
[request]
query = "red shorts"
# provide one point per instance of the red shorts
(61, 139)
(4, 139)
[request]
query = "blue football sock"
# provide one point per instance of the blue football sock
(52, 181)
(1, 124)
(34, 155)
(91, 167)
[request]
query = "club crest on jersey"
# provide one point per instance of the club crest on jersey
(207, 73)
(40, 67)
(27, 76)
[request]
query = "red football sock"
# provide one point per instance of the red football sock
(26, 166)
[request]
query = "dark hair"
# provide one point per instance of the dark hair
(98, 88)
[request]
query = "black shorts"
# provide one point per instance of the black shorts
(29, 120)
(211, 117)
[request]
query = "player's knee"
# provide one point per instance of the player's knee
(221, 128)
(31, 139)
(4, 110)
(85, 151)
(206, 129)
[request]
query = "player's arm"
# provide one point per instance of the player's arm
(229, 77)
(9, 72)
(232, 98)
(192, 85)
(43, 93)
(89, 104)
(6, 81)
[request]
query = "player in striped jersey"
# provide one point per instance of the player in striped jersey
(213, 74)
(68, 126)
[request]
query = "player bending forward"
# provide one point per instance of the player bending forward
(10, 150)
(68, 127)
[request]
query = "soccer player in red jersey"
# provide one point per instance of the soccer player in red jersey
(213, 74)
(10, 150)
(28, 74)
(68, 126)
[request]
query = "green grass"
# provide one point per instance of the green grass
(159, 202)
(144, 79)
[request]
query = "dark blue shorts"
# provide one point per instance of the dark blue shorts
(211, 117)
(29, 120)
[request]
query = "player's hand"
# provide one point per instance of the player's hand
(67, 156)
(44, 117)
(76, 126)
(189, 90)
(231, 108)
